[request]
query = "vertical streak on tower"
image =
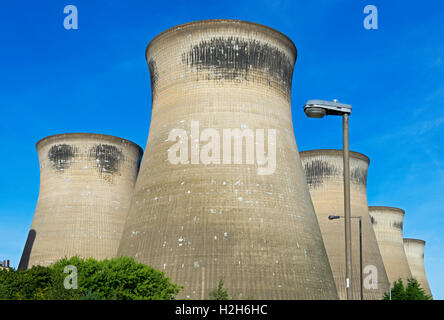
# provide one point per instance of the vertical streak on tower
(86, 184)
(388, 223)
(200, 222)
(324, 173)
(414, 250)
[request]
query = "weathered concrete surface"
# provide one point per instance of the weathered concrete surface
(86, 184)
(200, 223)
(414, 250)
(387, 223)
(324, 172)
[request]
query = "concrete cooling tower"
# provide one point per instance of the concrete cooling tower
(86, 184)
(201, 216)
(414, 250)
(387, 223)
(324, 172)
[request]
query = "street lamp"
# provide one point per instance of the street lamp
(360, 249)
(319, 109)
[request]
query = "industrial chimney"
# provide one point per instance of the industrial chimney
(86, 184)
(387, 223)
(201, 216)
(414, 250)
(324, 173)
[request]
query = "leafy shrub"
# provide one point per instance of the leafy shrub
(220, 293)
(412, 291)
(29, 285)
(120, 278)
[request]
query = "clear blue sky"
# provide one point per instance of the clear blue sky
(95, 79)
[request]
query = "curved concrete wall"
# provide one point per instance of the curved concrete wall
(414, 250)
(202, 222)
(387, 223)
(324, 172)
(86, 184)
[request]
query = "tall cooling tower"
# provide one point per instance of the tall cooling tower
(207, 218)
(324, 172)
(414, 250)
(86, 184)
(387, 223)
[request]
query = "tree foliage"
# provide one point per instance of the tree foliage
(220, 293)
(120, 278)
(412, 291)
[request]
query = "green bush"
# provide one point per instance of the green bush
(412, 291)
(120, 278)
(30, 285)
(220, 293)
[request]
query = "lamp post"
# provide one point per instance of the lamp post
(319, 109)
(360, 250)
(390, 291)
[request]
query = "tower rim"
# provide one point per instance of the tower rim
(59, 136)
(387, 208)
(186, 25)
(334, 152)
(414, 240)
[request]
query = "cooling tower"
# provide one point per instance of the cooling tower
(204, 216)
(387, 223)
(86, 184)
(324, 172)
(414, 250)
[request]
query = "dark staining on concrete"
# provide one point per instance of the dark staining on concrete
(107, 158)
(397, 225)
(154, 75)
(61, 156)
(233, 59)
(359, 176)
(317, 170)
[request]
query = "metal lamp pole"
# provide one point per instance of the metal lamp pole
(347, 224)
(319, 109)
(360, 258)
(360, 251)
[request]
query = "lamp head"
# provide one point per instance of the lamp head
(333, 217)
(313, 112)
(320, 108)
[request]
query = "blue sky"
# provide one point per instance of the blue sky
(95, 79)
